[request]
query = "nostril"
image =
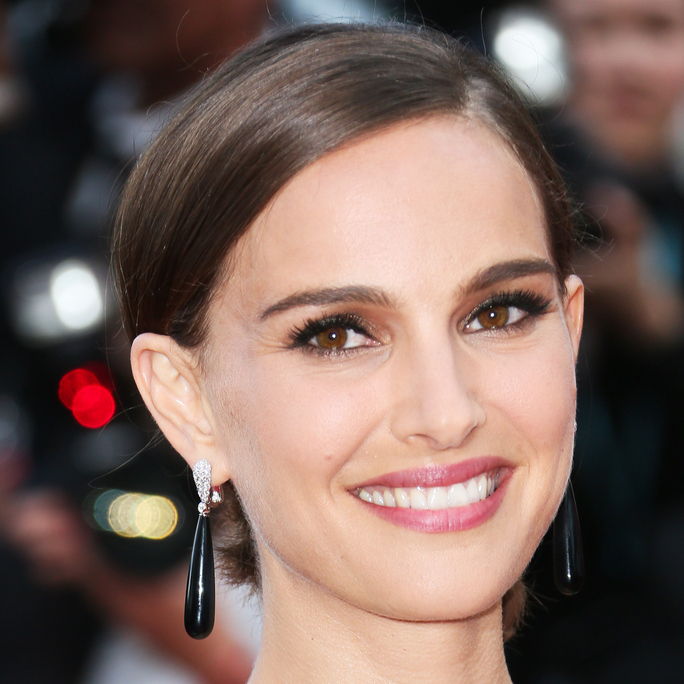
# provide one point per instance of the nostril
(447, 430)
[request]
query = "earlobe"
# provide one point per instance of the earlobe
(574, 309)
(167, 379)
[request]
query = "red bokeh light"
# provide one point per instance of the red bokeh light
(93, 406)
(85, 393)
(72, 382)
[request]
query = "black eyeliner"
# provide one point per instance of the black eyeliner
(532, 303)
(301, 336)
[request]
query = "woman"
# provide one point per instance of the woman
(345, 267)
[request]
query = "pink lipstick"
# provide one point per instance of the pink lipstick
(438, 498)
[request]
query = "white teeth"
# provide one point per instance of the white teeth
(482, 487)
(402, 497)
(418, 500)
(389, 498)
(437, 498)
(471, 488)
(433, 498)
(365, 495)
(458, 495)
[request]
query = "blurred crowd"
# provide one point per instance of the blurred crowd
(617, 131)
(96, 514)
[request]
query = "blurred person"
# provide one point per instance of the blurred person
(615, 137)
(79, 130)
(626, 60)
(60, 551)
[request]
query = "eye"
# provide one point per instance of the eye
(497, 316)
(506, 311)
(337, 337)
(338, 334)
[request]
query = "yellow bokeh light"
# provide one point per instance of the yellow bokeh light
(136, 515)
(121, 514)
(156, 517)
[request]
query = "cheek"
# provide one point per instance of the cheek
(540, 402)
(300, 431)
(302, 427)
(534, 411)
(310, 418)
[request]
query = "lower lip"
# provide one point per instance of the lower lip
(446, 519)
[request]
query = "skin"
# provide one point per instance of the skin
(627, 59)
(417, 212)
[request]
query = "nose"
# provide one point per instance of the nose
(436, 399)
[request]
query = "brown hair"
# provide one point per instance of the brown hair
(258, 120)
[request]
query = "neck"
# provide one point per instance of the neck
(312, 636)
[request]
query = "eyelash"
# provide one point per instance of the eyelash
(301, 336)
(531, 303)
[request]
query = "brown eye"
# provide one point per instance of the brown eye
(332, 338)
(493, 317)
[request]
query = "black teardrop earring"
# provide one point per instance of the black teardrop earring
(568, 554)
(200, 589)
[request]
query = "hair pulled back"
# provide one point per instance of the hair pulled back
(257, 121)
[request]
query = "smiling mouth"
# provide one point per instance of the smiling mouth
(457, 495)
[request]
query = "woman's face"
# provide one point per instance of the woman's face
(390, 373)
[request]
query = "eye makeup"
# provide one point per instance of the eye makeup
(329, 335)
(494, 314)
(343, 334)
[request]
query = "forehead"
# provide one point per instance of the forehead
(434, 196)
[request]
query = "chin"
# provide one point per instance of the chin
(438, 594)
(445, 605)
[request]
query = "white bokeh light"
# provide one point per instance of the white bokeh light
(75, 294)
(531, 51)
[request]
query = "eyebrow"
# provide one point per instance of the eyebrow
(331, 295)
(506, 270)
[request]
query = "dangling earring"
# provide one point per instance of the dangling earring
(568, 554)
(199, 591)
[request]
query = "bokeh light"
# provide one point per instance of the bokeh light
(134, 515)
(93, 406)
(90, 401)
(70, 383)
(531, 50)
(54, 300)
(76, 296)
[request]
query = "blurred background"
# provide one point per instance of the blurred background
(96, 517)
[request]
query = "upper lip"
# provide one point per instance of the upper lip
(437, 475)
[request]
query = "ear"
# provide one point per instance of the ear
(167, 377)
(573, 310)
